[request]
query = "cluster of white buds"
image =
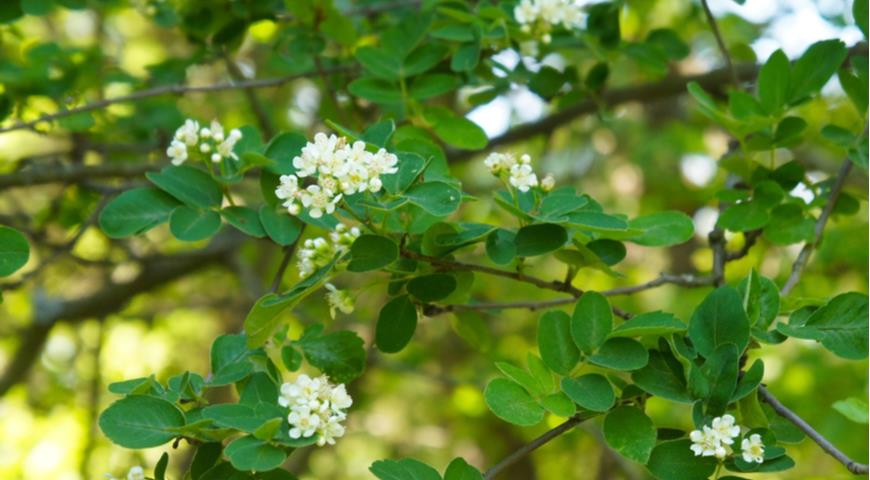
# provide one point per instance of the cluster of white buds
(318, 252)
(716, 439)
(135, 473)
(316, 407)
(210, 141)
(520, 173)
(541, 16)
(340, 169)
(338, 300)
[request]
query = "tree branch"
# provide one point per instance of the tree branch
(75, 173)
(155, 272)
(534, 444)
(804, 256)
(828, 447)
(169, 90)
(721, 43)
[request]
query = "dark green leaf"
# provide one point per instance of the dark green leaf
(591, 322)
(396, 324)
(432, 287)
(662, 229)
(253, 455)
(404, 469)
(136, 211)
(245, 219)
(719, 319)
(592, 392)
(621, 354)
(189, 185)
(539, 239)
(674, 459)
(650, 323)
(555, 344)
(190, 225)
(141, 421)
(436, 198)
(281, 227)
(14, 250)
(630, 432)
(512, 403)
(339, 354)
(372, 252)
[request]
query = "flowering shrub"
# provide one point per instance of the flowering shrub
(374, 195)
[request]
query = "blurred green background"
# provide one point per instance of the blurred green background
(425, 402)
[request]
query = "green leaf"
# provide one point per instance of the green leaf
(380, 133)
(530, 382)
(674, 459)
(592, 321)
(291, 358)
(815, 67)
(230, 360)
(860, 13)
(555, 344)
(760, 299)
(720, 369)
(501, 246)
(14, 250)
(396, 324)
(597, 222)
(432, 85)
(281, 227)
(559, 404)
(432, 287)
(743, 217)
(538, 239)
(410, 167)
(268, 429)
(750, 380)
(250, 454)
(245, 219)
(282, 149)
(141, 421)
(423, 59)
(647, 324)
(404, 469)
(466, 57)
(190, 225)
(459, 469)
(136, 211)
(630, 432)
(609, 251)
(207, 454)
(852, 408)
(788, 225)
(662, 229)
(263, 319)
(621, 354)
(774, 82)
(379, 62)
(510, 402)
(189, 185)
(719, 319)
(840, 325)
(372, 252)
(663, 376)
(592, 392)
(246, 418)
(455, 130)
(376, 90)
(340, 354)
(436, 198)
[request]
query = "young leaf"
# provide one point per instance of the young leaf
(592, 392)
(510, 402)
(555, 344)
(592, 321)
(396, 324)
(630, 432)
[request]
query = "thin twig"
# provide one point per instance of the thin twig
(804, 256)
(170, 90)
(250, 93)
(721, 43)
(784, 412)
(533, 445)
(554, 285)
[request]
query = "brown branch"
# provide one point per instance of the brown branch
(721, 43)
(555, 285)
(828, 447)
(804, 256)
(169, 90)
(250, 93)
(535, 444)
(75, 173)
(155, 272)
(685, 280)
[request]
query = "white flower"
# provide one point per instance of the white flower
(753, 449)
(338, 300)
(526, 12)
(548, 182)
(136, 473)
(188, 133)
(523, 177)
(725, 429)
(706, 443)
(316, 406)
(177, 151)
(318, 200)
(217, 131)
(204, 147)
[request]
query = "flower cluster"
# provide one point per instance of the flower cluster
(520, 173)
(341, 169)
(210, 141)
(338, 300)
(541, 16)
(318, 252)
(316, 407)
(135, 473)
(716, 440)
